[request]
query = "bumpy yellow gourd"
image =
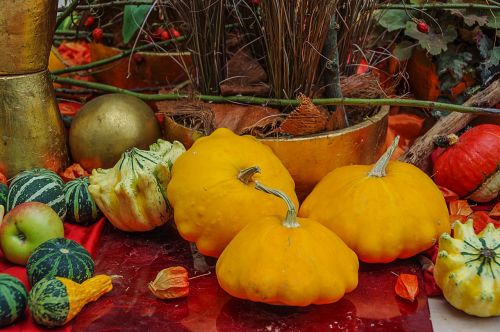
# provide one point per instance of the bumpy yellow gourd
(287, 261)
(468, 269)
(212, 193)
(383, 212)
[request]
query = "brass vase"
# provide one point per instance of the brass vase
(26, 33)
(32, 133)
(31, 130)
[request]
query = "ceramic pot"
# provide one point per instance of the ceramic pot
(310, 158)
(147, 69)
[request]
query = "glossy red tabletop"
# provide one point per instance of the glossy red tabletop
(373, 306)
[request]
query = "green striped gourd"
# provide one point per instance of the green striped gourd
(56, 301)
(62, 258)
(80, 206)
(13, 298)
(4, 190)
(37, 185)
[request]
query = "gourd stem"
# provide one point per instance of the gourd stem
(290, 220)
(245, 175)
(379, 170)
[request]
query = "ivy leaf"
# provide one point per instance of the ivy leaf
(404, 50)
(484, 45)
(133, 17)
(392, 19)
(434, 43)
(471, 20)
(454, 63)
(494, 20)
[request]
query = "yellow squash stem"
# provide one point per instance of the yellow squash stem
(246, 174)
(88, 291)
(379, 169)
(290, 220)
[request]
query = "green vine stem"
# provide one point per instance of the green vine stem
(290, 220)
(245, 175)
(379, 170)
(428, 6)
(115, 57)
(281, 102)
(67, 12)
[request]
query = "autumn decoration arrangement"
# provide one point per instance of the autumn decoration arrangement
(217, 175)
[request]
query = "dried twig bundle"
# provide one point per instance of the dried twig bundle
(294, 33)
(205, 23)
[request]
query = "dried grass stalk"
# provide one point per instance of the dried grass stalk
(205, 23)
(294, 34)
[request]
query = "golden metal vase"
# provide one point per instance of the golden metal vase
(26, 33)
(32, 133)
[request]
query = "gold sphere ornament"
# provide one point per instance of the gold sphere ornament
(107, 126)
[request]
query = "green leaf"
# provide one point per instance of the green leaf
(494, 20)
(484, 45)
(392, 19)
(434, 43)
(404, 50)
(133, 17)
(472, 19)
(454, 63)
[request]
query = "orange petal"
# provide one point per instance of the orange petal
(407, 286)
(460, 208)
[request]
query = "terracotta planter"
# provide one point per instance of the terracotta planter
(147, 69)
(309, 158)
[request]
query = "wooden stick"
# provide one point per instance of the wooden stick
(419, 153)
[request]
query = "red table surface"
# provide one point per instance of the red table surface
(137, 258)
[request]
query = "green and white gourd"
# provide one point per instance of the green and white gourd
(80, 206)
(37, 185)
(4, 191)
(132, 194)
(13, 299)
(60, 258)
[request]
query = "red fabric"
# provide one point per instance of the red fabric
(87, 236)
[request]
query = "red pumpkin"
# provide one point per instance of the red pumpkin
(470, 166)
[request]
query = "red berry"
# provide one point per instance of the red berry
(97, 34)
(157, 33)
(174, 33)
(255, 2)
(138, 58)
(165, 35)
(422, 27)
(89, 21)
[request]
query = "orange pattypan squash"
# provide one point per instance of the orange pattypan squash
(383, 212)
(212, 193)
(287, 261)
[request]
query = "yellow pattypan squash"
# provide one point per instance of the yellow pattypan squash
(468, 269)
(211, 190)
(383, 212)
(287, 261)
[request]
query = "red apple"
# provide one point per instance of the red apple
(27, 226)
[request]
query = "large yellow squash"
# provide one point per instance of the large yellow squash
(212, 190)
(468, 269)
(383, 212)
(287, 261)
